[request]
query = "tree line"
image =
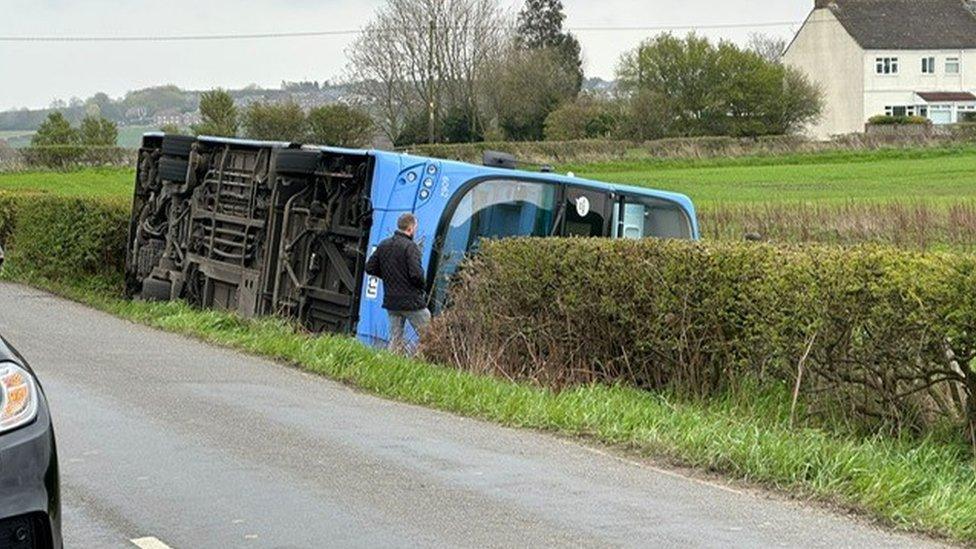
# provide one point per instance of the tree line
(337, 125)
(456, 71)
(461, 71)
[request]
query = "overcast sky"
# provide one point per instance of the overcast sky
(33, 74)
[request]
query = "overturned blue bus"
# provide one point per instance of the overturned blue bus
(270, 228)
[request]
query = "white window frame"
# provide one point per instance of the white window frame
(953, 62)
(910, 110)
(928, 65)
(886, 66)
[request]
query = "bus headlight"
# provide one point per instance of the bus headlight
(18, 397)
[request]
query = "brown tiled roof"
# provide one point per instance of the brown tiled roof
(907, 24)
(946, 97)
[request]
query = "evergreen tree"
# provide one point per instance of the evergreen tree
(218, 114)
(96, 131)
(55, 145)
(55, 131)
(540, 26)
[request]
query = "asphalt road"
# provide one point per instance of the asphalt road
(169, 439)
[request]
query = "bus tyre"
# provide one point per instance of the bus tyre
(173, 169)
(154, 289)
(177, 145)
(297, 162)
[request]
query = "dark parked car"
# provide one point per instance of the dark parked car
(30, 494)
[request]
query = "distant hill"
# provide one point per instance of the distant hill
(160, 105)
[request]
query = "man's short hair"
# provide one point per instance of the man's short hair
(406, 221)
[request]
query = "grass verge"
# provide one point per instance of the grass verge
(915, 485)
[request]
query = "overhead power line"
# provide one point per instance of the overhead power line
(354, 32)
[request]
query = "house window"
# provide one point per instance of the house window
(906, 110)
(952, 65)
(886, 65)
(928, 65)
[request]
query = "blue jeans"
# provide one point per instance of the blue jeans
(398, 319)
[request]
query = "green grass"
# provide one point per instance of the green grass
(916, 485)
(90, 182)
(936, 176)
(130, 137)
(930, 175)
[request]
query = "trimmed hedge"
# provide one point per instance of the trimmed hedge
(65, 157)
(889, 120)
(880, 339)
(60, 237)
(603, 150)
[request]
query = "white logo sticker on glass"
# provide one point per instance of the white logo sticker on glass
(583, 206)
(372, 287)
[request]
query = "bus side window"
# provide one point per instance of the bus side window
(495, 208)
(652, 218)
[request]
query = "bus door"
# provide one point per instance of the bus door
(587, 212)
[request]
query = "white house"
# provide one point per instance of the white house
(898, 57)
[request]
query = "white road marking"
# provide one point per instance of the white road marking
(149, 543)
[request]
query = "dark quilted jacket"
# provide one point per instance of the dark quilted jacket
(397, 263)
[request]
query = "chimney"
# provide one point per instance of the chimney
(822, 4)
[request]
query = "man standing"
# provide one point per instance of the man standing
(397, 263)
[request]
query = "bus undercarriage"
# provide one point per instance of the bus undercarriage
(254, 228)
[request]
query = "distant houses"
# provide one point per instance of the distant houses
(176, 117)
(894, 57)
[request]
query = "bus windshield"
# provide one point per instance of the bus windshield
(494, 208)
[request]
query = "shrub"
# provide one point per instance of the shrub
(602, 150)
(58, 237)
(56, 144)
(66, 157)
(888, 120)
(529, 85)
(880, 339)
(275, 121)
(582, 119)
(340, 126)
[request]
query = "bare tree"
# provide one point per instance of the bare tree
(425, 56)
(771, 48)
(380, 80)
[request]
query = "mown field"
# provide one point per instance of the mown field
(944, 175)
(93, 182)
(932, 175)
